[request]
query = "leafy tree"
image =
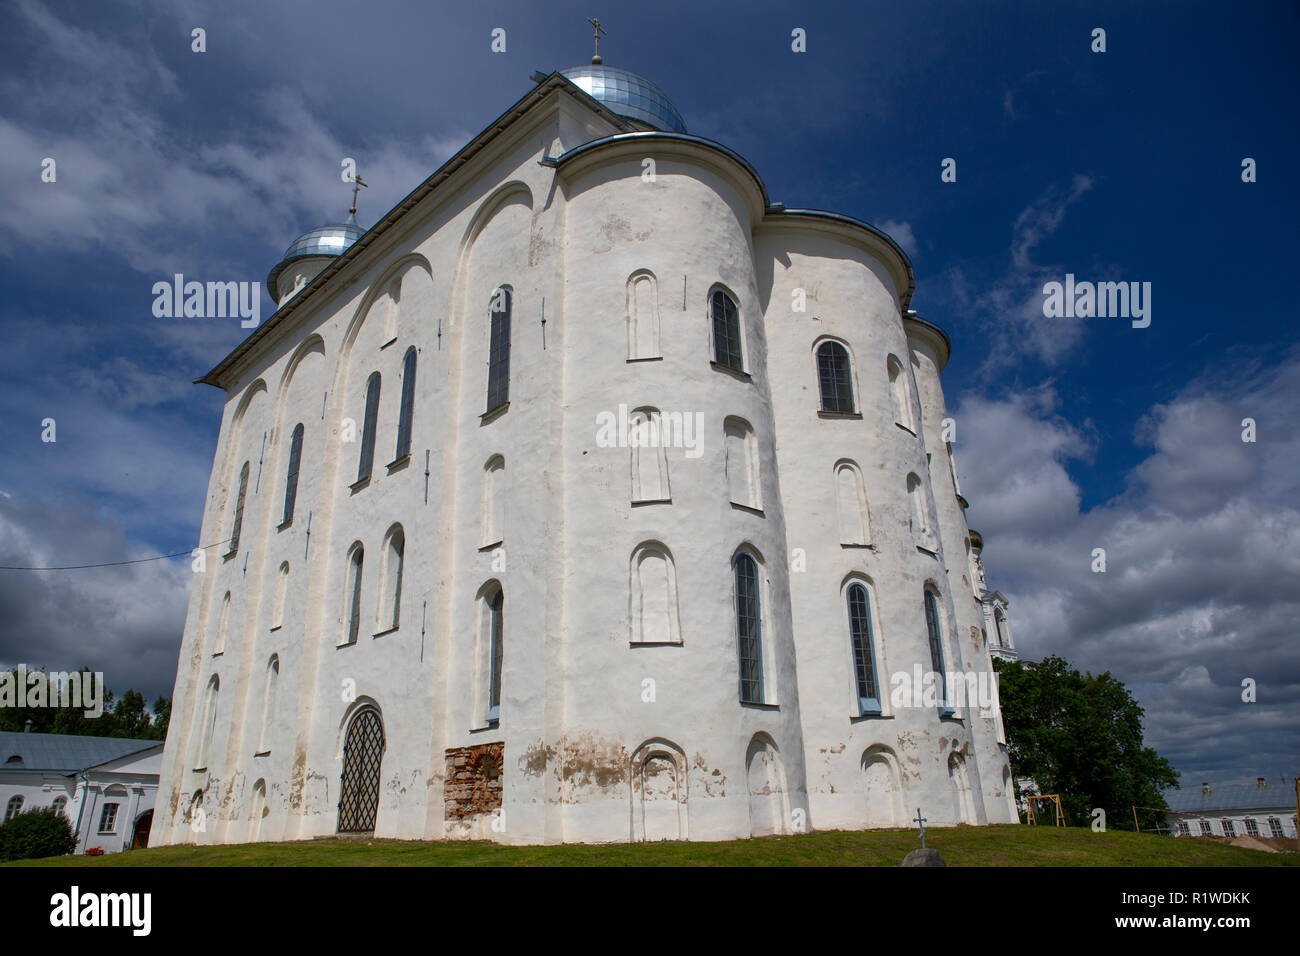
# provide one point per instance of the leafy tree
(126, 717)
(1080, 736)
(36, 833)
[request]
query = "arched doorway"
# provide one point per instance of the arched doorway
(363, 750)
(140, 840)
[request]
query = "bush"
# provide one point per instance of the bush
(36, 833)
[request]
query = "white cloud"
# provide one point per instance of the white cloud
(902, 234)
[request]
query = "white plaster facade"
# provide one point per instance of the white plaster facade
(620, 715)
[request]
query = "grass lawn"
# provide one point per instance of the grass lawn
(1006, 845)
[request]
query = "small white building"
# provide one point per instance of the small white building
(106, 786)
(1260, 809)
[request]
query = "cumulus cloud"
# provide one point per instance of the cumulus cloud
(1202, 560)
(902, 234)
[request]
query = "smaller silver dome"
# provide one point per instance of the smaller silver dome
(628, 94)
(322, 241)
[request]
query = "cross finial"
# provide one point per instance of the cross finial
(356, 187)
(595, 60)
(920, 821)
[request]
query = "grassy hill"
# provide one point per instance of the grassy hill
(1006, 845)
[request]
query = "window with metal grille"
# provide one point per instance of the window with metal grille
(1274, 827)
(936, 649)
(355, 562)
(833, 377)
(291, 480)
(407, 412)
(498, 392)
(1252, 826)
(496, 622)
(726, 331)
(749, 630)
(864, 670)
(108, 818)
(367, 461)
(1228, 828)
(239, 509)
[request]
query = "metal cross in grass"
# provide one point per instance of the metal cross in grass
(920, 821)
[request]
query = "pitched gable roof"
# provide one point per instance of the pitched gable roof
(64, 753)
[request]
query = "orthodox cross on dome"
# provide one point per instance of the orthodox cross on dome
(595, 60)
(356, 187)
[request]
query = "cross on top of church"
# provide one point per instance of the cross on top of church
(356, 187)
(596, 61)
(920, 821)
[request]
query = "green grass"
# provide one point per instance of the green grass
(1006, 845)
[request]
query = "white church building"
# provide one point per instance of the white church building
(588, 496)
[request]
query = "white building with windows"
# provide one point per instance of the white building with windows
(590, 495)
(1258, 810)
(105, 786)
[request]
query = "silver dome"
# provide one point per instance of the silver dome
(322, 241)
(628, 94)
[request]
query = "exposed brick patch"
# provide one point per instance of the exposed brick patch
(473, 783)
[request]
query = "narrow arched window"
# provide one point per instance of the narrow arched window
(900, 394)
(741, 464)
(390, 600)
(653, 583)
(498, 392)
(642, 317)
(367, 461)
(238, 524)
(649, 456)
(223, 622)
(207, 728)
(60, 805)
(749, 633)
(864, 668)
(493, 517)
(268, 705)
(917, 503)
(356, 558)
(933, 628)
(495, 626)
(726, 331)
(851, 505)
(281, 591)
(13, 807)
(407, 413)
(833, 378)
(291, 480)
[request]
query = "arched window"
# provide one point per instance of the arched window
(238, 524)
(491, 644)
(726, 331)
(223, 622)
(742, 464)
(13, 807)
(352, 592)
(207, 729)
(268, 705)
(864, 664)
(900, 394)
(390, 597)
(367, 461)
(407, 413)
(60, 806)
(851, 505)
(642, 317)
(649, 456)
(494, 476)
(653, 584)
(749, 632)
(920, 512)
(933, 626)
(291, 480)
(281, 590)
(498, 392)
(833, 378)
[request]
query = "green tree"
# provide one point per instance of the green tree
(1080, 736)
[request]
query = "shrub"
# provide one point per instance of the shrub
(36, 833)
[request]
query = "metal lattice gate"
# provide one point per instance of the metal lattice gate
(362, 753)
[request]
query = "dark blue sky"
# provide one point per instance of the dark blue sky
(1072, 433)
